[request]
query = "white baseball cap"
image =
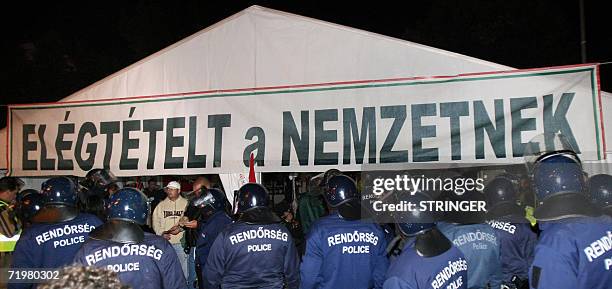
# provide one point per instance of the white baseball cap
(173, 185)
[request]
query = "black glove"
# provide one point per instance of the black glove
(520, 283)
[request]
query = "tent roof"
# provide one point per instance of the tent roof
(261, 47)
(215, 52)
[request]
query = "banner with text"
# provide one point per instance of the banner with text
(378, 124)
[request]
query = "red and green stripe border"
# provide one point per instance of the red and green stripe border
(357, 84)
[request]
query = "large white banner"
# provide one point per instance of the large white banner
(375, 124)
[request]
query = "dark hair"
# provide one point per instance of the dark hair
(10, 184)
(81, 277)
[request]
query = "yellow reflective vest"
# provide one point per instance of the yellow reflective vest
(10, 228)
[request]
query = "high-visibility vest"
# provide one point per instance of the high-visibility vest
(529, 215)
(8, 244)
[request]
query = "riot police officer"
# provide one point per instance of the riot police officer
(98, 185)
(342, 251)
(29, 202)
(429, 259)
(516, 238)
(573, 250)
(100, 182)
(213, 219)
(600, 188)
(476, 240)
(141, 259)
(256, 250)
(57, 232)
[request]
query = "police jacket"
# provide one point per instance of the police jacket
(574, 253)
(208, 230)
(51, 245)
(344, 254)
(412, 271)
(252, 256)
(480, 245)
(151, 264)
(517, 243)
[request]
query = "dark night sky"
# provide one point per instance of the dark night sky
(50, 50)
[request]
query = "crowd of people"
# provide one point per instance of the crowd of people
(200, 239)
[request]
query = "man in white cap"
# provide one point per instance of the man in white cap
(167, 215)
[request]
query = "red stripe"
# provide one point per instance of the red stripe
(8, 128)
(314, 85)
(601, 117)
(302, 85)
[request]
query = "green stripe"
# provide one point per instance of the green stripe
(291, 91)
(596, 112)
(313, 90)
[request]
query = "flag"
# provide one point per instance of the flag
(252, 169)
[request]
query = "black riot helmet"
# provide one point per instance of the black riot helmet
(558, 179)
(421, 224)
(600, 188)
(210, 201)
(340, 189)
(251, 203)
(98, 180)
(29, 202)
(414, 222)
(127, 210)
(60, 191)
(341, 193)
(502, 198)
(128, 204)
(95, 188)
(318, 183)
(60, 195)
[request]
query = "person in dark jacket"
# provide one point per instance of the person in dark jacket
(475, 239)
(57, 232)
(517, 240)
(342, 251)
(428, 259)
(142, 260)
(256, 250)
(97, 186)
(574, 247)
(29, 202)
(189, 223)
(213, 219)
(283, 210)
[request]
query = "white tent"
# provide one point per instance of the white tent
(261, 47)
